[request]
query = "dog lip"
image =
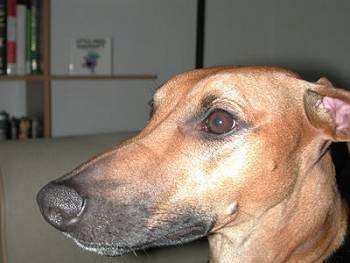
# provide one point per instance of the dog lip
(184, 232)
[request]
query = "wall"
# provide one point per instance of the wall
(84, 107)
(311, 36)
(153, 36)
(13, 98)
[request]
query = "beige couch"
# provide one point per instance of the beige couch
(25, 238)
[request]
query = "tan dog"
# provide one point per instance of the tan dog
(238, 154)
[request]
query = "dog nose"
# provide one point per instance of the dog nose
(61, 206)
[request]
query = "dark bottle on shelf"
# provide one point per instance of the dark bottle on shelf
(4, 124)
(14, 128)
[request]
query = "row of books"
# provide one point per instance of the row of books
(20, 37)
(19, 128)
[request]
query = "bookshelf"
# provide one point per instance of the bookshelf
(44, 80)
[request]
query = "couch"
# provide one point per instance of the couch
(25, 166)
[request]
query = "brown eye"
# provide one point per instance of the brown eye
(219, 122)
(151, 107)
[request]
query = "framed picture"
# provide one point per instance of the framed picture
(90, 56)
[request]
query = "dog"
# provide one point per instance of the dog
(238, 154)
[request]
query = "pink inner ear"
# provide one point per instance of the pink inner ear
(340, 111)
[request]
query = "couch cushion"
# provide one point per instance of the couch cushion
(28, 165)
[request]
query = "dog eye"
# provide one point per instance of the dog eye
(219, 122)
(151, 106)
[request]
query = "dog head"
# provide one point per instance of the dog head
(224, 145)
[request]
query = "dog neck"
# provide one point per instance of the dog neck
(303, 227)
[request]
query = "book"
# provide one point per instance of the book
(35, 37)
(90, 55)
(2, 37)
(21, 37)
(28, 38)
(11, 37)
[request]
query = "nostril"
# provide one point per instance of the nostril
(61, 205)
(54, 215)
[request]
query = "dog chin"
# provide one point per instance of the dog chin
(101, 249)
(179, 237)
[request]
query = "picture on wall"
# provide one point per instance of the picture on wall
(90, 56)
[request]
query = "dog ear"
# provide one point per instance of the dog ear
(328, 109)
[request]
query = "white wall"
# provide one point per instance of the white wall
(13, 98)
(84, 107)
(153, 36)
(311, 36)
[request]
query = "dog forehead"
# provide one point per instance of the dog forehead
(250, 86)
(246, 78)
(181, 83)
(258, 87)
(226, 78)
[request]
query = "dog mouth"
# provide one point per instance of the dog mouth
(114, 228)
(117, 247)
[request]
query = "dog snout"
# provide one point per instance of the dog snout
(61, 206)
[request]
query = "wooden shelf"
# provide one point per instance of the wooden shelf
(22, 77)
